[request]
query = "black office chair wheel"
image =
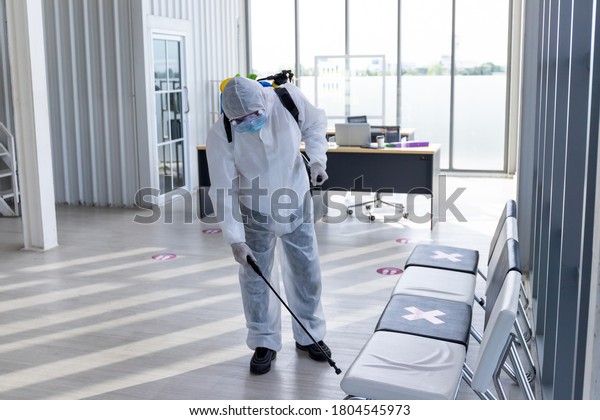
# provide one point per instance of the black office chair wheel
(372, 218)
(349, 211)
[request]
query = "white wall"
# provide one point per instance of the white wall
(96, 106)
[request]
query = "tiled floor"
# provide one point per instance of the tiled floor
(99, 318)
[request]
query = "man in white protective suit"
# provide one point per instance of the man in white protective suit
(261, 192)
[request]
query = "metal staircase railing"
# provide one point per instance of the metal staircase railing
(9, 183)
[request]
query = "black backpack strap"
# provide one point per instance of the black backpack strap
(287, 101)
(227, 125)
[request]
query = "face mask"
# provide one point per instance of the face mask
(251, 124)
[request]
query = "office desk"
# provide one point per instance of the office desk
(389, 170)
(407, 134)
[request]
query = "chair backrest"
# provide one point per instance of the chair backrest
(509, 260)
(356, 119)
(510, 210)
(497, 332)
(509, 231)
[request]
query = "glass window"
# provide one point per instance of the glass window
(367, 88)
(330, 89)
(174, 64)
(355, 72)
(160, 65)
(273, 46)
(373, 31)
(480, 84)
(351, 85)
(321, 27)
(426, 48)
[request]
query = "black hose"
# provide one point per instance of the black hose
(259, 272)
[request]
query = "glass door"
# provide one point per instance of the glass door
(169, 86)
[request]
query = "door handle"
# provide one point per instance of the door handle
(187, 100)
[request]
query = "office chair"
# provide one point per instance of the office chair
(392, 135)
(356, 119)
(377, 202)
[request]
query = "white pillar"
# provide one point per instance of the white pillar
(27, 58)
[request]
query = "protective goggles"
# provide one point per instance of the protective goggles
(249, 123)
(247, 118)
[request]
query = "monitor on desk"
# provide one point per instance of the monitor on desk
(353, 135)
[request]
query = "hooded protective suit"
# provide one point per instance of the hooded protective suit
(260, 190)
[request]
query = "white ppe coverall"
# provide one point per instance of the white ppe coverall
(260, 192)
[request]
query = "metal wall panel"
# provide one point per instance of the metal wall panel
(92, 94)
(564, 187)
(528, 127)
(219, 52)
(6, 116)
(90, 78)
(588, 359)
(174, 9)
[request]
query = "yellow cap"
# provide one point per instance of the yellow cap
(223, 83)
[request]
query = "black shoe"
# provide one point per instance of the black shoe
(261, 360)
(314, 352)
